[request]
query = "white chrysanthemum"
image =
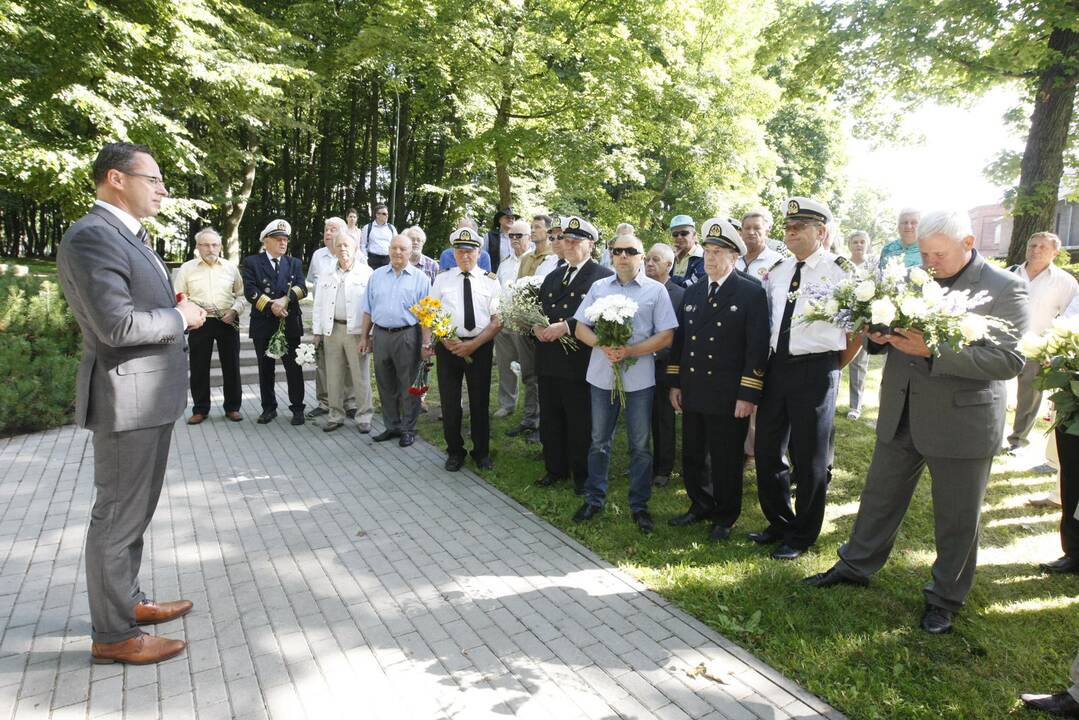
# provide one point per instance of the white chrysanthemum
(914, 307)
(932, 293)
(865, 291)
(919, 277)
(1032, 345)
(973, 327)
(895, 271)
(882, 311)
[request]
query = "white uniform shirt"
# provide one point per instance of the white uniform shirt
(326, 298)
(805, 338)
(376, 239)
(1050, 293)
(449, 288)
(507, 270)
(760, 265)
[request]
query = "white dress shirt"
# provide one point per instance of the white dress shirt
(760, 265)
(376, 239)
(328, 295)
(548, 265)
(813, 337)
(449, 288)
(1051, 291)
(507, 270)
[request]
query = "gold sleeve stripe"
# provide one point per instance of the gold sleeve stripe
(297, 291)
(672, 370)
(752, 383)
(261, 303)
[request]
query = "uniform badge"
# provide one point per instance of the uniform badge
(762, 271)
(690, 308)
(281, 225)
(793, 207)
(758, 373)
(734, 308)
(465, 235)
(574, 224)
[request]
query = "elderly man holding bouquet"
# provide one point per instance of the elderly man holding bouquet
(942, 405)
(625, 319)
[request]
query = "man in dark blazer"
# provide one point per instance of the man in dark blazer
(131, 388)
(274, 285)
(498, 239)
(564, 396)
(946, 411)
(716, 374)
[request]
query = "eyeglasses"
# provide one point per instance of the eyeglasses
(681, 233)
(515, 236)
(631, 251)
(154, 179)
(796, 226)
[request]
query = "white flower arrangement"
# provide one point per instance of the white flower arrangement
(612, 319)
(1057, 353)
(306, 354)
(519, 309)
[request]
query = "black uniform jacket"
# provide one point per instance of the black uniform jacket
(559, 303)
(262, 286)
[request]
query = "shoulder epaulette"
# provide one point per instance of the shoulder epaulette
(776, 264)
(491, 275)
(844, 263)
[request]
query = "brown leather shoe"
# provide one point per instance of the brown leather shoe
(149, 612)
(196, 419)
(234, 416)
(143, 649)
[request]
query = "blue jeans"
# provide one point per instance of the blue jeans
(638, 428)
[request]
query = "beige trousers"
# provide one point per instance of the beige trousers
(344, 362)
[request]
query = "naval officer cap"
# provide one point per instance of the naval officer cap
(464, 238)
(279, 228)
(803, 208)
(720, 231)
(579, 227)
(556, 222)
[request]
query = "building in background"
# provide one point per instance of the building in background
(993, 228)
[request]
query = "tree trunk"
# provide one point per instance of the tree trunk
(1043, 156)
(372, 115)
(230, 230)
(403, 148)
(348, 196)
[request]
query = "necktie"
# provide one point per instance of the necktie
(470, 311)
(783, 344)
(276, 266)
(569, 276)
(144, 238)
(712, 290)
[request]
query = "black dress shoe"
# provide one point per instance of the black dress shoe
(687, 518)
(351, 414)
(936, 620)
(316, 412)
(548, 480)
(786, 552)
(454, 463)
(266, 417)
(586, 513)
(406, 439)
(765, 537)
(519, 430)
(719, 532)
(1061, 704)
(1065, 564)
(644, 521)
(386, 435)
(297, 418)
(485, 463)
(834, 577)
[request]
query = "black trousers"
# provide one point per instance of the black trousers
(452, 370)
(714, 491)
(293, 374)
(1068, 452)
(662, 431)
(565, 427)
(200, 345)
(376, 261)
(797, 411)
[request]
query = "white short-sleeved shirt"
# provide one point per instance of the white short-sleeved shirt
(1051, 291)
(806, 338)
(449, 288)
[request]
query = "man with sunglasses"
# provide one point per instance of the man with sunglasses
(564, 397)
(554, 239)
(688, 254)
(797, 409)
(653, 328)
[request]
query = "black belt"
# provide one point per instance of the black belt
(831, 354)
(393, 330)
(340, 322)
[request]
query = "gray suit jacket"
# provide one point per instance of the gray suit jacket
(134, 358)
(957, 401)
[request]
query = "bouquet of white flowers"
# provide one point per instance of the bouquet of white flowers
(278, 345)
(520, 309)
(1057, 351)
(306, 354)
(612, 321)
(895, 298)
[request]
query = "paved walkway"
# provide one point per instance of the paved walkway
(335, 577)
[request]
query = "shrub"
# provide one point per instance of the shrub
(39, 354)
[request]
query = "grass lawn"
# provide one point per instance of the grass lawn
(857, 648)
(38, 267)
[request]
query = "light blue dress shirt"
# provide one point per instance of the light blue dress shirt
(389, 295)
(654, 314)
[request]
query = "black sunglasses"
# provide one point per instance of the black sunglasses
(681, 233)
(631, 251)
(515, 236)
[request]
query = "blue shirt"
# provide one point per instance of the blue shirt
(447, 261)
(654, 315)
(389, 295)
(912, 254)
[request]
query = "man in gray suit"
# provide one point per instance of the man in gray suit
(131, 388)
(945, 411)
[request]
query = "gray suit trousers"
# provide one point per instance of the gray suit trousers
(526, 356)
(958, 491)
(506, 353)
(129, 468)
(1027, 403)
(397, 360)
